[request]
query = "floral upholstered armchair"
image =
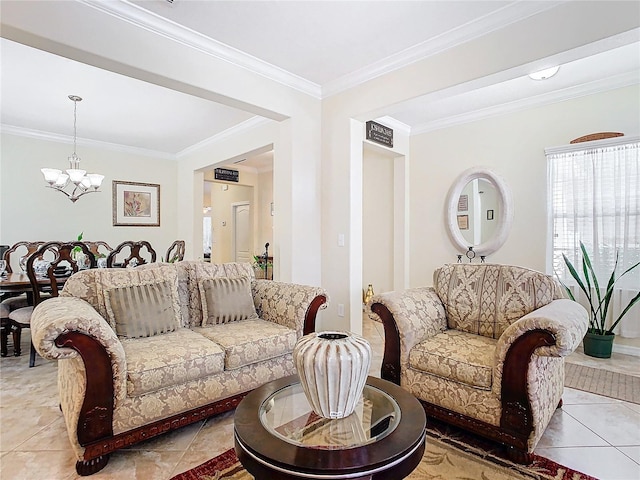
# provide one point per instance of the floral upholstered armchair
(483, 349)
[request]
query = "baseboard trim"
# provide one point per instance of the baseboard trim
(626, 350)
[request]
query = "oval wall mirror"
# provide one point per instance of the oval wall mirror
(479, 211)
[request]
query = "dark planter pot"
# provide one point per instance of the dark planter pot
(598, 346)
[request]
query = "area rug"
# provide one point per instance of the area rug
(602, 382)
(451, 454)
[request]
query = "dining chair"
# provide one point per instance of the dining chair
(95, 248)
(55, 264)
(135, 254)
(175, 253)
(15, 257)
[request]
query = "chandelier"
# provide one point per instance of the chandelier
(75, 182)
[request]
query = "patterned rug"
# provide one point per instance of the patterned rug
(451, 454)
(602, 382)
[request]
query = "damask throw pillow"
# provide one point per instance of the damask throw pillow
(226, 300)
(143, 310)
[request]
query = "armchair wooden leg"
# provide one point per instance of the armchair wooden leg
(89, 467)
(17, 336)
(559, 404)
(519, 456)
(32, 356)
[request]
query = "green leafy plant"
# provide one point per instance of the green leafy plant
(76, 250)
(598, 303)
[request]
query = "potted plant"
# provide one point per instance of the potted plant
(261, 267)
(598, 341)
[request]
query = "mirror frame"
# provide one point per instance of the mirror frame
(504, 218)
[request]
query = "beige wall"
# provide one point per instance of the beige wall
(29, 211)
(253, 186)
(264, 232)
(295, 191)
(377, 221)
(223, 197)
(513, 147)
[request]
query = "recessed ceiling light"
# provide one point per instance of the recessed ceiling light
(544, 74)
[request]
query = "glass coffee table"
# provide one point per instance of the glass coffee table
(278, 436)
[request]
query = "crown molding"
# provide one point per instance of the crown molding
(249, 124)
(85, 142)
(511, 13)
(591, 88)
(138, 16)
(253, 170)
(394, 124)
(242, 127)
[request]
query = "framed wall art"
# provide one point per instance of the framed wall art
(136, 204)
(463, 222)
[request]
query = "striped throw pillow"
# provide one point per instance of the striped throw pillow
(226, 300)
(143, 310)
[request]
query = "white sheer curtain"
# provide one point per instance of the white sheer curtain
(594, 197)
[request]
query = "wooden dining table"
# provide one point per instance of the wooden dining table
(19, 282)
(15, 283)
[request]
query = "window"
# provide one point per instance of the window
(594, 197)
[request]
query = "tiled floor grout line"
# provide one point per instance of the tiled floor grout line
(186, 450)
(590, 429)
(630, 458)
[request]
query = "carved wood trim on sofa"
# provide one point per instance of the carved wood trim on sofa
(310, 316)
(391, 360)
(516, 422)
(131, 437)
(96, 414)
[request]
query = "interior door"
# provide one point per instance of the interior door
(242, 238)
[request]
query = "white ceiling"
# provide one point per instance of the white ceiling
(323, 47)
(322, 41)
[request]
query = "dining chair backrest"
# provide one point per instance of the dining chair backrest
(135, 251)
(175, 253)
(59, 260)
(17, 251)
(95, 248)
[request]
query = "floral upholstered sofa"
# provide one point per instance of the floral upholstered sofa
(146, 350)
(483, 349)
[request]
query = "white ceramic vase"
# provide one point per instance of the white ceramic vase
(333, 368)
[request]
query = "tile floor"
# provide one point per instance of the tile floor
(596, 435)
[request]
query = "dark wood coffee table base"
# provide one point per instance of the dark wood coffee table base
(391, 458)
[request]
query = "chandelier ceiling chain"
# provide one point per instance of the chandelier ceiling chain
(76, 179)
(75, 100)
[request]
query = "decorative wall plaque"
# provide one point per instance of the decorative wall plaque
(379, 133)
(226, 175)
